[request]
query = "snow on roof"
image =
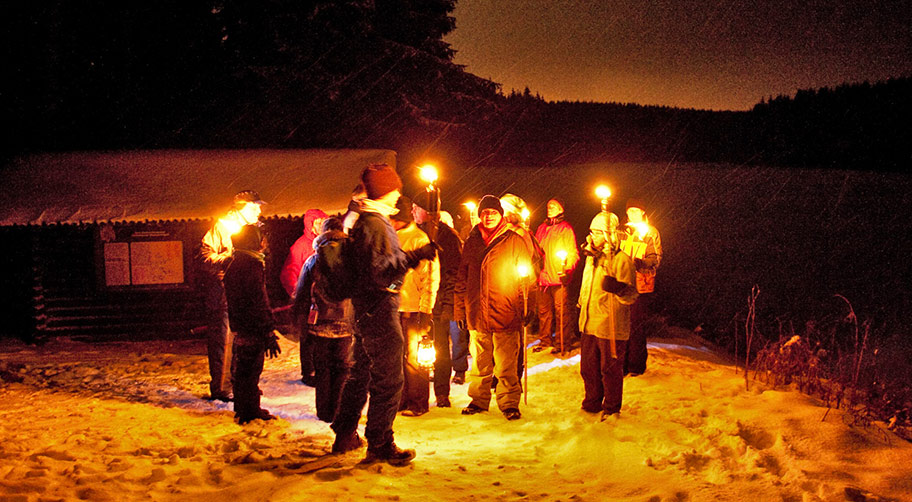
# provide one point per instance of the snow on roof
(176, 184)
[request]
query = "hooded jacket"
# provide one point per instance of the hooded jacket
(330, 319)
(299, 253)
(604, 314)
(555, 235)
(488, 293)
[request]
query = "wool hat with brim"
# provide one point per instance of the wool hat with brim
(404, 205)
(604, 221)
(379, 180)
(490, 202)
(245, 196)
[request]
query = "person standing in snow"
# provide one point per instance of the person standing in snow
(489, 301)
(606, 294)
(445, 329)
(375, 258)
(215, 253)
(643, 243)
(251, 317)
(558, 242)
(300, 251)
(328, 322)
(416, 302)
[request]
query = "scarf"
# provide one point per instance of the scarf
(489, 235)
(379, 206)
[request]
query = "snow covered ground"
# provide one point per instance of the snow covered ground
(125, 421)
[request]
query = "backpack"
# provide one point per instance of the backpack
(338, 279)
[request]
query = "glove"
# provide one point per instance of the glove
(462, 325)
(424, 321)
(272, 345)
(426, 252)
(640, 264)
(529, 318)
(612, 285)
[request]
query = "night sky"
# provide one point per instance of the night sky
(713, 54)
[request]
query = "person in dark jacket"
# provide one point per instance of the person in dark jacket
(251, 318)
(375, 258)
(607, 291)
(488, 298)
(450, 255)
(327, 322)
(642, 243)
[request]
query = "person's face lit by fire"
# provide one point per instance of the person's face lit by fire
(554, 209)
(317, 225)
(599, 237)
(250, 213)
(490, 218)
(635, 215)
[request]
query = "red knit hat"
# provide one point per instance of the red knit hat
(379, 180)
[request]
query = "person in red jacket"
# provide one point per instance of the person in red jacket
(558, 241)
(300, 251)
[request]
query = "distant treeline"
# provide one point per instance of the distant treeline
(375, 73)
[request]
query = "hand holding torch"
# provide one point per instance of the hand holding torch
(429, 174)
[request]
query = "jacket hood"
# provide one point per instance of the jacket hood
(329, 236)
(309, 217)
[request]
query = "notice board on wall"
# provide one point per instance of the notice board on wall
(143, 263)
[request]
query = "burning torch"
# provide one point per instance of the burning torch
(603, 193)
(429, 175)
(473, 214)
(522, 270)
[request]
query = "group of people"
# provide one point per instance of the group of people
(416, 279)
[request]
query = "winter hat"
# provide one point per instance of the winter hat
(248, 237)
(604, 221)
(422, 199)
(490, 202)
(559, 202)
(637, 203)
(404, 205)
(244, 196)
(513, 204)
(379, 180)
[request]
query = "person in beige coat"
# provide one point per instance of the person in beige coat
(606, 294)
(416, 303)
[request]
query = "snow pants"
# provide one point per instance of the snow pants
(603, 375)
(415, 388)
(377, 352)
(332, 364)
(635, 362)
(219, 338)
(249, 354)
(495, 355)
(555, 312)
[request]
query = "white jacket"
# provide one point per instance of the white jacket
(419, 287)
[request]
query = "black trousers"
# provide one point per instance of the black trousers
(377, 369)
(306, 348)
(553, 308)
(603, 375)
(443, 365)
(635, 362)
(415, 388)
(249, 354)
(332, 364)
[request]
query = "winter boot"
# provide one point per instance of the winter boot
(389, 453)
(347, 442)
(512, 413)
(472, 409)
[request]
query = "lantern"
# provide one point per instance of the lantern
(426, 354)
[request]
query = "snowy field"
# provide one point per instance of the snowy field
(127, 421)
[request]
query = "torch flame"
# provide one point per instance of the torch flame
(231, 224)
(525, 214)
(642, 228)
(522, 270)
(428, 173)
(561, 255)
(602, 191)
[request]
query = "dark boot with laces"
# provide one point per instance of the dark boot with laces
(389, 453)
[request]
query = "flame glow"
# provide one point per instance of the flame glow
(602, 191)
(642, 228)
(426, 354)
(428, 173)
(522, 270)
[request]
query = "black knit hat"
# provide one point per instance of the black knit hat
(490, 202)
(404, 205)
(379, 180)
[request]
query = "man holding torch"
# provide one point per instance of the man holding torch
(488, 301)
(644, 245)
(558, 241)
